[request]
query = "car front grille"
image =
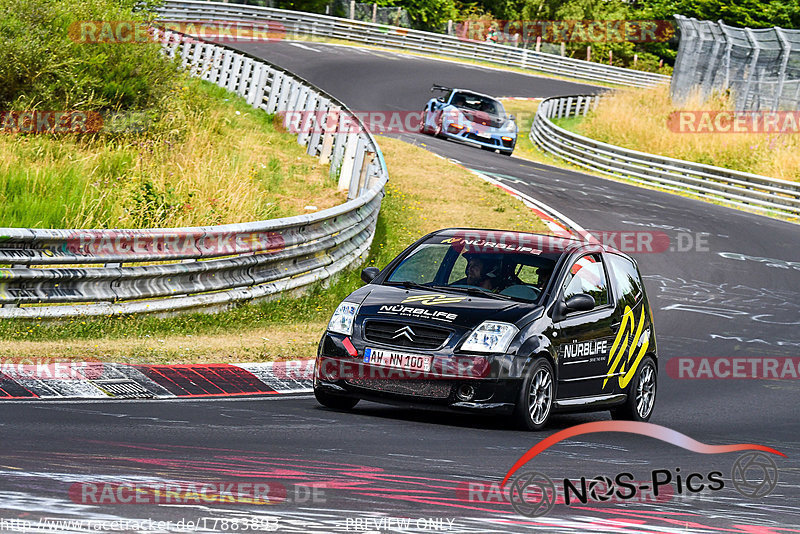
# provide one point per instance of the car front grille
(404, 335)
(434, 389)
(474, 137)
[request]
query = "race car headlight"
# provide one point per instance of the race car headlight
(510, 126)
(343, 318)
(490, 336)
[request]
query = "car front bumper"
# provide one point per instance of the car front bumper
(494, 141)
(350, 377)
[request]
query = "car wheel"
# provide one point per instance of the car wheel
(335, 402)
(641, 394)
(536, 396)
(423, 127)
(437, 132)
(506, 153)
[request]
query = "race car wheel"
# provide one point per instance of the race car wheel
(536, 396)
(334, 402)
(505, 153)
(437, 132)
(423, 127)
(641, 394)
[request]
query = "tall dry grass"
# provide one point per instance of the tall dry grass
(638, 119)
(209, 159)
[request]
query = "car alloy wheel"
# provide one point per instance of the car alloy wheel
(645, 392)
(540, 396)
(536, 397)
(641, 394)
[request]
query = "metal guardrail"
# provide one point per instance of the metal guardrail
(714, 183)
(309, 24)
(51, 272)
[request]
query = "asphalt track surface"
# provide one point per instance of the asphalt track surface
(398, 464)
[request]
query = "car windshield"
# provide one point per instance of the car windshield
(474, 102)
(510, 271)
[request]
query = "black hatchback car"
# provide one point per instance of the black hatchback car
(491, 320)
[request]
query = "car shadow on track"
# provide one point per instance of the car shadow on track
(478, 421)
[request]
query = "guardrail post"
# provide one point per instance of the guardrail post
(274, 91)
(330, 127)
(224, 71)
(346, 169)
(255, 95)
(187, 48)
(358, 162)
(369, 157)
(294, 107)
(309, 118)
(320, 118)
(245, 79)
(216, 64)
(233, 76)
(340, 141)
(198, 50)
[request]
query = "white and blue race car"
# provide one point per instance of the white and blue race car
(470, 117)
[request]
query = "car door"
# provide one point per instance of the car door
(583, 338)
(631, 324)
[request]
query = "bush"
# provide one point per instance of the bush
(42, 68)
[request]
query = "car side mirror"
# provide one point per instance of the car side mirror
(440, 99)
(576, 303)
(580, 302)
(512, 118)
(369, 274)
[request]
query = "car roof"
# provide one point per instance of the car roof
(552, 244)
(456, 90)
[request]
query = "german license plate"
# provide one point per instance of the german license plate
(398, 360)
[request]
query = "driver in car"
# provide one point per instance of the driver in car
(480, 272)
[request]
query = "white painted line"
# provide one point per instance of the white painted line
(304, 47)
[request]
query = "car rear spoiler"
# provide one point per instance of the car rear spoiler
(437, 87)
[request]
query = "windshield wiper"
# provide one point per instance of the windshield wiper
(474, 291)
(410, 285)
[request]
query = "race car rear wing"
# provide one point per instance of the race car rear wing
(437, 87)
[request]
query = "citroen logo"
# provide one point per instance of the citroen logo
(405, 331)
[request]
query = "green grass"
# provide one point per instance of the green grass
(208, 159)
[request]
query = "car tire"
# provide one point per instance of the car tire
(641, 394)
(334, 402)
(423, 127)
(506, 153)
(536, 396)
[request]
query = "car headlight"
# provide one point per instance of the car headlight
(491, 336)
(510, 126)
(343, 318)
